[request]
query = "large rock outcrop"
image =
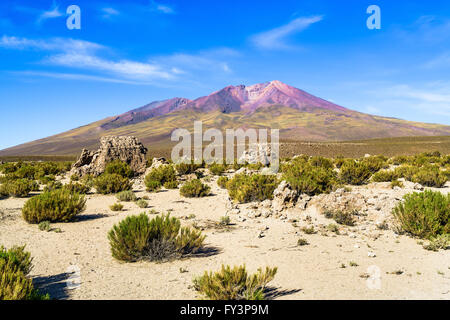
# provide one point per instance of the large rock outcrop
(123, 148)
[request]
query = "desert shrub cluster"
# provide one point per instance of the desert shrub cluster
(19, 188)
(425, 215)
(164, 175)
(188, 168)
(246, 188)
(355, 172)
(15, 265)
(217, 169)
(120, 168)
(126, 196)
(161, 238)
(108, 183)
(222, 182)
(195, 189)
(234, 283)
(54, 206)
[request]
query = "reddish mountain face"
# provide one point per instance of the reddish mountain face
(229, 99)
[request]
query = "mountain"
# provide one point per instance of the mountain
(299, 116)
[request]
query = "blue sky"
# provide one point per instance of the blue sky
(128, 54)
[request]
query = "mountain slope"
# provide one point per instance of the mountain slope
(298, 115)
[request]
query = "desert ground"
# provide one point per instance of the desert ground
(359, 262)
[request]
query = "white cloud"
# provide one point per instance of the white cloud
(277, 38)
(161, 8)
(50, 14)
(109, 12)
(55, 44)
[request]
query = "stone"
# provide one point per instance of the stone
(259, 153)
(124, 148)
(284, 197)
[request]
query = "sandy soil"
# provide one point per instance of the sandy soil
(307, 272)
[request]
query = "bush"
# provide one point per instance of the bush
(157, 177)
(15, 264)
(142, 203)
(344, 217)
(126, 196)
(430, 176)
(309, 179)
(119, 167)
(77, 188)
(385, 176)
(222, 182)
(46, 179)
(321, 162)
(396, 183)
(355, 173)
(171, 184)
(439, 242)
(111, 183)
(194, 189)
(54, 206)
(116, 207)
(406, 171)
(424, 215)
(225, 220)
(234, 284)
(187, 168)
(246, 188)
(217, 169)
(375, 163)
(398, 160)
(18, 188)
(53, 185)
(161, 238)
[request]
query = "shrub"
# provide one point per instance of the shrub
(74, 177)
(116, 207)
(398, 160)
(160, 176)
(187, 168)
(385, 176)
(344, 218)
(53, 185)
(321, 162)
(54, 206)
(396, 183)
(246, 188)
(217, 169)
(424, 215)
(225, 220)
(44, 226)
(234, 284)
(439, 242)
(171, 184)
(222, 182)
(302, 242)
(141, 203)
(46, 179)
(355, 173)
(119, 167)
(139, 238)
(18, 258)
(111, 183)
(77, 188)
(18, 188)
(430, 176)
(406, 171)
(308, 179)
(126, 196)
(375, 163)
(194, 189)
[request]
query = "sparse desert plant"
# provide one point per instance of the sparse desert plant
(318, 161)
(54, 206)
(217, 169)
(44, 226)
(375, 163)
(246, 188)
(424, 215)
(161, 238)
(385, 176)
(157, 177)
(53, 185)
(309, 230)
(76, 187)
(141, 203)
(194, 189)
(187, 168)
(222, 182)
(19, 188)
(344, 217)
(116, 207)
(430, 176)
(74, 177)
(225, 220)
(333, 228)
(302, 242)
(308, 179)
(396, 183)
(406, 171)
(120, 168)
(355, 173)
(126, 196)
(440, 242)
(111, 183)
(46, 179)
(17, 257)
(398, 160)
(173, 184)
(234, 283)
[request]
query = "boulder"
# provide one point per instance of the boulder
(124, 148)
(284, 197)
(260, 153)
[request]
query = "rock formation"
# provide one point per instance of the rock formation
(123, 148)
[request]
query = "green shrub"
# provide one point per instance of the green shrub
(171, 184)
(195, 189)
(406, 171)
(430, 176)
(225, 220)
(126, 196)
(234, 284)
(424, 215)
(53, 185)
(74, 177)
(54, 206)
(309, 179)
(157, 177)
(385, 176)
(222, 182)
(217, 169)
(119, 167)
(398, 160)
(161, 238)
(321, 162)
(76, 187)
(18, 258)
(111, 183)
(46, 179)
(19, 188)
(440, 242)
(44, 226)
(355, 173)
(344, 217)
(396, 183)
(187, 168)
(375, 163)
(246, 188)
(141, 203)
(116, 207)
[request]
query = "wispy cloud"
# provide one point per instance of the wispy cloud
(53, 12)
(162, 8)
(276, 39)
(108, 12)
(440, 61)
